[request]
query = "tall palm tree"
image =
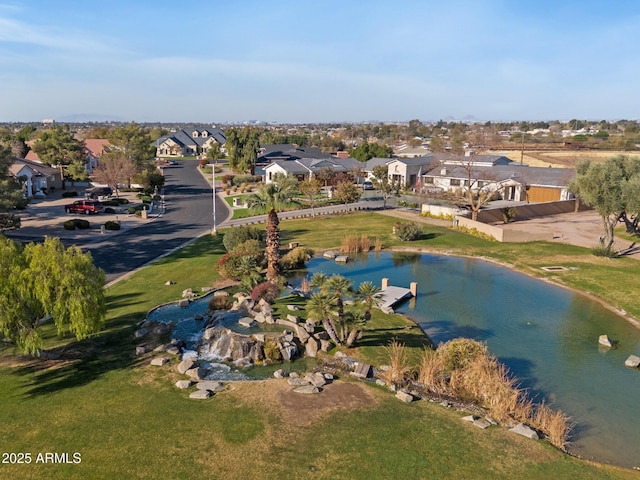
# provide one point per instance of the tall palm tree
(272, 197)
(320, 307)
(338, 287)
(368, 294)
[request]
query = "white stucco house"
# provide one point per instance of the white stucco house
(39, 179)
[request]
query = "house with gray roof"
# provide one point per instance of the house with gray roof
(287, 151)
(512, 182)
(189, 142)
(38, 178)
(306, 168)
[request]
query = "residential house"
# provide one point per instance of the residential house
(512, 182)
(306, 168)
(287, 151)
(406, 171)
(189, 142)
(95, 148)
(38, 178)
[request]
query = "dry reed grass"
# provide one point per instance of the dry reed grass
(464, 369)
(355, 244)
(378, 245)
(399, 370)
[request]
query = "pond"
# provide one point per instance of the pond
(546, 335)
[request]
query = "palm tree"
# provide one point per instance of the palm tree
(355, 324)
(368, 294)
(320, 307)
(272, 197)
(337, 287)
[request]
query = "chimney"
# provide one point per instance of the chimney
(443, 171)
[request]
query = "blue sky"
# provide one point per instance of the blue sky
(319, 60)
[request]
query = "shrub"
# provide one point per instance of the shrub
(236, 265)
(69, 225)
(408, 231)
(70, 193)
(272, 351)
(227, 179)
(203, 162)
(134, 209)
(508, 214)
(145, 199)
(76, 223)
(219, 303)
(296, 258)
(252, 248)
(121, 201)
(109, 210)
(111, 225)
(601, 251)
(235, 236)
(111, 203)
(242, 178)
(457, 353)
(265, 290)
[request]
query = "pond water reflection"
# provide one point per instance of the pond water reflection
(546, 335)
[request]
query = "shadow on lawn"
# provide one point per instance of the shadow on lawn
(381, 337)
(83, 361)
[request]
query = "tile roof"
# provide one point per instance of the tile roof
(537, 176)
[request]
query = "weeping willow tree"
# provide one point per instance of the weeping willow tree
(47, 279)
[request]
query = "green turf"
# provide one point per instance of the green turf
(128, 421)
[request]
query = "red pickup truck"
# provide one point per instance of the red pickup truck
(84, 206)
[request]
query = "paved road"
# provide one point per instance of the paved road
(188, 214)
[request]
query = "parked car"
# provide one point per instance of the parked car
(367, 185)
(97, 192)
(84, 206)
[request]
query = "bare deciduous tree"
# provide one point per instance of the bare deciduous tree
(114, 168)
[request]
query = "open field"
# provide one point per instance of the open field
(128, 421)
(563, 158)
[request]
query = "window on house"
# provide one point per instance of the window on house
(428, 179)
(466, 183)
(480, 184)
(454, 182)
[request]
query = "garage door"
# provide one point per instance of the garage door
(543, 194)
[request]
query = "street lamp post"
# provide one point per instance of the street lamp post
(213, 188)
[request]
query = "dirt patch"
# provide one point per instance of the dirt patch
(303, 410)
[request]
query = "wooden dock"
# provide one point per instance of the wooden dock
(390, 296)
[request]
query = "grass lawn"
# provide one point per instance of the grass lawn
(128, 421)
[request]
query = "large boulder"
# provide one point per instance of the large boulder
(159, 361)
(297, 381)
(316, 379)
(288, 351)
(404, 396)
(183, 384)
(142, 332)
(605, 341)
(185, 365)
(307, 390)
(200, 394)
(197, 373)
(211, 385)
(311, 347)
(246, 322)
(525, 431)
(632, 362)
